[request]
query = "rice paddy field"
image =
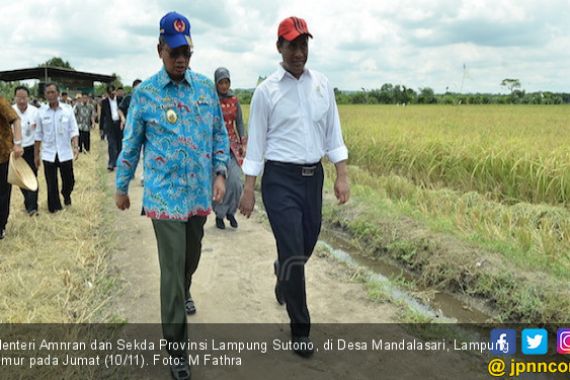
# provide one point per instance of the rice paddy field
(471, 198)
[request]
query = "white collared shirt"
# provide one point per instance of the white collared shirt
(55, 128)
(114, 109)
(28, 122)
(293, 120)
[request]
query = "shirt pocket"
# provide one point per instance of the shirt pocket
(63, 125)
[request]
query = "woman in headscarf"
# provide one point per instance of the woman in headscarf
(234, 124)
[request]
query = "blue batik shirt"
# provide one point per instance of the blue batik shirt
(185, 142)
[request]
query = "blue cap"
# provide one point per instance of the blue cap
(175, 29)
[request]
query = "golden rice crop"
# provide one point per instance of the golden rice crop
(510, 153)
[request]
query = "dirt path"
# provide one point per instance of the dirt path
(234, 281)
(234, 284)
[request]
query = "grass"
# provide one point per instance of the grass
(420, 229)
(54, 267)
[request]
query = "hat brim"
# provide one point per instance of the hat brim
(291, 35)
(177, 40)
(21, 175)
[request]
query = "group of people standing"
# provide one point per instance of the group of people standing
(47, 135)
(194, 145)
(190, 134)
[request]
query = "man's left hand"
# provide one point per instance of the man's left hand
(219, 188)
(18, 151)
(342, 190)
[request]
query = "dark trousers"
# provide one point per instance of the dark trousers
(179, 249)
(293, 202)
(5, 192)
(67, 182)
(84, 141)
(30, 197)
(115, 143)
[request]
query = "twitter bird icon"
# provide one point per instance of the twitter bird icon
(534, 341)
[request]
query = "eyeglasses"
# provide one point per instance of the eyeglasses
(185, 53)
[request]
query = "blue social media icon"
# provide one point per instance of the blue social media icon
(503, 341)
(534, 342)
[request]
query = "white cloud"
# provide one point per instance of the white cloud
(361, 43)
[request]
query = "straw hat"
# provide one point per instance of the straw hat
(20, 174)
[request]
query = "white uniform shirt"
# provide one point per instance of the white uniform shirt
(28, 120)
(55, 128)
(114, 109)
(293, 120)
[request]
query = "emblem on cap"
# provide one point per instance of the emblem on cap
(179, 25)
(171, 116)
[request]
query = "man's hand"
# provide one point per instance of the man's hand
(122, 201)
(75, 152)
(219, 188)
(18, 151)
(342, 190)
(247, 202)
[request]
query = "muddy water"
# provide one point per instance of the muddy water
(441, 305)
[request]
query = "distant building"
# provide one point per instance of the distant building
(71, 81)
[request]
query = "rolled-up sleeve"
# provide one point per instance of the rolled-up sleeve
(335, 149)
(256, 134)
(134, 136)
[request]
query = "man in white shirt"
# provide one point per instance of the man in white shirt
(57, 138)
(293, 123)
(28, 115)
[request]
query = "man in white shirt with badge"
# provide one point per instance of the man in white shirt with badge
(28, 115)
(293, 123)
(57, 138)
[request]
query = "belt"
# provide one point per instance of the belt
(306, 170)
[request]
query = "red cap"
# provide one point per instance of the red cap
(293, 27)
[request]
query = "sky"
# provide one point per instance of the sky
(455, 45)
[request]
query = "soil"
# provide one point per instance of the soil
(234, 284)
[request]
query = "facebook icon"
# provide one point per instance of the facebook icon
(503, 341)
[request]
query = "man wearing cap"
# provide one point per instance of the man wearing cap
(10, 140)
(293, 123)
(28, 115)
(176, 115)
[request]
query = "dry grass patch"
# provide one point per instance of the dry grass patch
(53, 267)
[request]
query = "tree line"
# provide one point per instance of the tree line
(388, 93)
(399, 94)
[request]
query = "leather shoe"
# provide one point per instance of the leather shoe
(190, 306)
(179, 369)
(220, 224)
(233, 221)
(278, 291)
(303, 346)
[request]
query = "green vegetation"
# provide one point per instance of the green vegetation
(471, 199)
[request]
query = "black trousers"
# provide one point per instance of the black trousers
(67, 182)
(179, 250)
(293, 202)
(30, 197)
(5, 192)
(115, 143)
(84, 141)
